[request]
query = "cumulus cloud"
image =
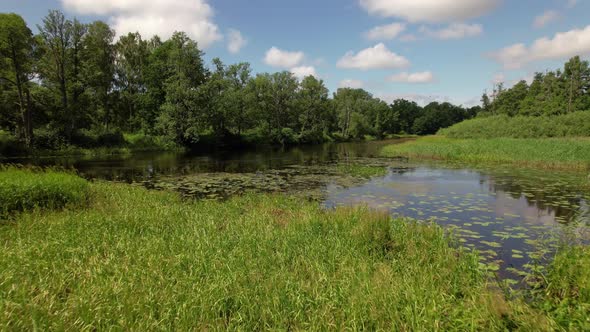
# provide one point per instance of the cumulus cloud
(350, 83)
(283, 59)
(545, 18)
(562, 45)
(302, 72)
(376, 57)
(154, 17)
(430, 10)
(235, 41)
(454, 31)
(386, 32)
(405, 77)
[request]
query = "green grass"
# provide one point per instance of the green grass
(565, 295)
(364, 171)
(141, 260)
(554, 153)
(25, 189)
(569, 125)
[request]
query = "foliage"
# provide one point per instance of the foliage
(551, 153)
(25, 189)
(144, 260)
(88, 82)
(565, 293)
(551, 93)
(575, 124)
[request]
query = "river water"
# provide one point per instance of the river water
(515, 218)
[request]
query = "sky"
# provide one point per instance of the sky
(422, 50)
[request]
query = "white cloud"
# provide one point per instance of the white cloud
(430, 10)
(376, 57)
(421, 77)
(350, 83)
(454, 31)
(545, 18)
(572, 3)
(498, 78)
(562, 45)
(154, 17)
(235, 41)
(386, 32)
(408, 38)
(302, 72)
(284, 59)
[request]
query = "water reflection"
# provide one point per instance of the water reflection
(501, 214)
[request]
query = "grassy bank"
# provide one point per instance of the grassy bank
(22, 190)
(146, 260)
(88, 145)
(564, 153)
(575, 124)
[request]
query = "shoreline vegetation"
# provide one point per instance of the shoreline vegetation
(570, 154)
(130, 258)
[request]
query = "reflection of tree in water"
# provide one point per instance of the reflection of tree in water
(562, 201)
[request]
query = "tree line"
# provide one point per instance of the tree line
(74, 84)
(550, 93)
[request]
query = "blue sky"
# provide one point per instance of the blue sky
(422, 49)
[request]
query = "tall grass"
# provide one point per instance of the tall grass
(569, 125)
(26, 189)
(564, 293)
(564, 153)
(139, 260)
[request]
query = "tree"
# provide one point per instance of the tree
(16, 59)
(56, 40)
(131, 57)
(313, 107)
(99, 70)
(183, 117)
(577, 82)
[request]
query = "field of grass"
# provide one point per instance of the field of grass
(568, 125)
(142, 260)
(549, 153)
(133, 259)
(22, 190)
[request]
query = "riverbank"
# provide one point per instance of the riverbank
(546, 153)
(129, 258)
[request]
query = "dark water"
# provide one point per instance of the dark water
(515, 218)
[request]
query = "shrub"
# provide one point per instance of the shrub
(25, 189)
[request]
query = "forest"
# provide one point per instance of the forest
(73, 84)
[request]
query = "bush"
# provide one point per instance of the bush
(10, 146)
(48, 138)
(575, 124)
(25, 189)
(102, 138)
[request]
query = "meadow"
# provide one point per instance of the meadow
(133, 259)
(547, 153)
